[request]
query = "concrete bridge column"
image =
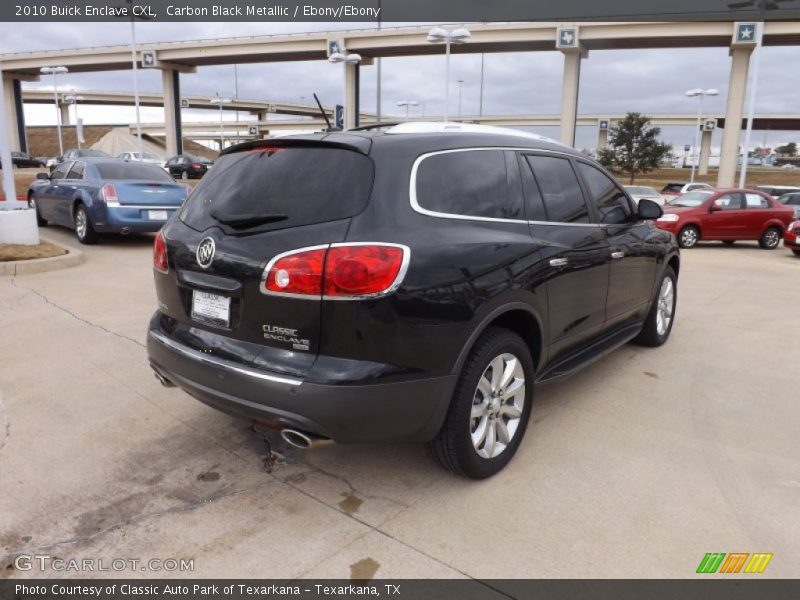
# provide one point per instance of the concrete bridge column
(602, 139)
(351, 94)
(15, 117)
(569, 94)
(705, 151)
(734, 109)
(63, 109)
(170, 81)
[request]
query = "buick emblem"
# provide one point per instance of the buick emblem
(205, 252)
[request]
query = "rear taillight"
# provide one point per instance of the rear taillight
(296, 273)
(337, 272)
(110, 195)
(356, 270)
(160, 254)
(197, 166)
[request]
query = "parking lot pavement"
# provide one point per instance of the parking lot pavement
(636, 467)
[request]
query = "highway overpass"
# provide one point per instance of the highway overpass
(574, 41)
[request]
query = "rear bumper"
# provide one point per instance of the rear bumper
(134, 219)
(792, 240)
(410, 410)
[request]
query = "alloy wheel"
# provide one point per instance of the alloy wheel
(497, 405)
(666, 303)
(772, 238)
(80, 223)
(689, 237)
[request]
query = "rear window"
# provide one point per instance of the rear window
(302, 185)
(125, 170)
(672, 188)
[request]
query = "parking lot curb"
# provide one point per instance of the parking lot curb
(72, 258)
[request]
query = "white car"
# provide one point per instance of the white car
(639, 192)
(144, 157)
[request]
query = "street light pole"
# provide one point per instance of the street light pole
(56, 71)
(692, 94)
(218, 99)
(408, 104)
(696, 135)
(136, 88)
(74, 99)
(460, 88)
(480, 102)
(437, 35)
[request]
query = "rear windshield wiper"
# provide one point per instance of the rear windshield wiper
(245, 220)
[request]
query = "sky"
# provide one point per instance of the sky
(612, 81)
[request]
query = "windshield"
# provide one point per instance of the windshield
(125, 170)
(672, 188)
(295, 185)
(95, 153)
(640, 190)
(691, 199)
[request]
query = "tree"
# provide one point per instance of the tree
(633, 146)
(789, 149)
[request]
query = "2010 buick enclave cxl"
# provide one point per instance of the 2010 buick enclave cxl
(410, 284)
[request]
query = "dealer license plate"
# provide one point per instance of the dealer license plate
(211, 307)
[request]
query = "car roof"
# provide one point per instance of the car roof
(421, 138)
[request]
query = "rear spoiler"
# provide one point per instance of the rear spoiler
(357, 143)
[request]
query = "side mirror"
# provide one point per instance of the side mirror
(648, 210)
(713, 208)
(43, 176)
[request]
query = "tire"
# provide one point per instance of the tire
(84, 230)
(40, 221)
(729, 242)
(796, 252)
(453, 446)
(688, 236)
(655, 331)
(771, 238)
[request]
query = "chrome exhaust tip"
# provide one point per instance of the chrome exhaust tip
(303, 440)
(163, 380)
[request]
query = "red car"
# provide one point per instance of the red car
(791, 239)
(726, 215)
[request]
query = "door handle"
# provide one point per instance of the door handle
(558, 262)
(618, 254)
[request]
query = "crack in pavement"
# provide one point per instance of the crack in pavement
(73, 315)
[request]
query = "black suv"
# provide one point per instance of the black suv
(411, 284)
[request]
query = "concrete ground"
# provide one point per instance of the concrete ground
(636, 467)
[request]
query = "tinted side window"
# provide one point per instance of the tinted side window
(472, 183)
(534, 208)
(612, 204)
(561, 192)
(756, 201)
(60, 171)
(76, 172)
